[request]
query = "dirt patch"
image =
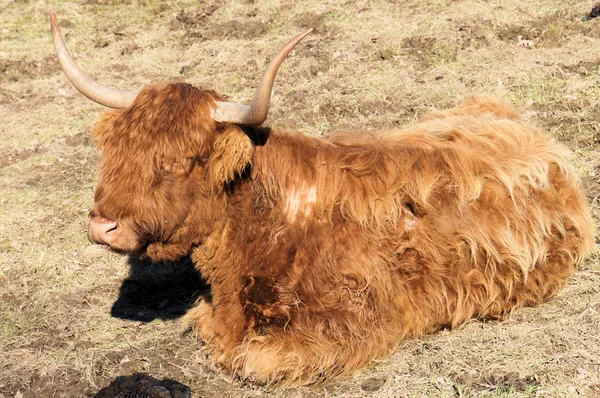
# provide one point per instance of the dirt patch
(566, 121)
(473, 35)
(591, 184)
(194, 22)
(499, 383)
(80, 299)
(314, 21)
(583, 68)
(18, 69)
(8, 157)
(335, 108)
(82, 139)
(71, 383)
(511, 382)
(103, 37)
(548, 31)
(427, 51)
(198, 24)
(156, 7)
(238, 30)
(316, 55)
(72, 172)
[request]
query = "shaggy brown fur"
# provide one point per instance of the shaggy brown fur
(324, 254)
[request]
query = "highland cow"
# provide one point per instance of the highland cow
(322, 254)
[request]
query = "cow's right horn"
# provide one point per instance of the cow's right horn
(113, 98)
(256, 113)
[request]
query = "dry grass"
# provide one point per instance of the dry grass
(370, 64)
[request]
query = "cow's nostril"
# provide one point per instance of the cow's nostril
(112, 228)
(103, 231)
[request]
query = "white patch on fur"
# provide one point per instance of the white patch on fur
(300, 201)
(410, 223)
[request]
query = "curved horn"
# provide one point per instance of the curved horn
(256, 113)
(106, 96)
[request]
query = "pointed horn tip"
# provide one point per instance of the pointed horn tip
(304, 34)
(53, 20)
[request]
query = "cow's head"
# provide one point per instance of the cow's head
(157, 144)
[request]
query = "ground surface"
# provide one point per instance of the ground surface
(73, 316)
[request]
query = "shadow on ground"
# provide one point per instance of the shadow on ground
(163, 290)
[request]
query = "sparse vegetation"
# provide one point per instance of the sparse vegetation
(73, 316)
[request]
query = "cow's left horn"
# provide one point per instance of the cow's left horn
(106, 96)
(256, 113)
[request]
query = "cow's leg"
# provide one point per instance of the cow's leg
(290, 358)
(200, 320)
(254, 334)
(303, 354)
(282, 344)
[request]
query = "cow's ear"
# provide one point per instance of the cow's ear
(231, 155)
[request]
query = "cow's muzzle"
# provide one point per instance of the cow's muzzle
(103, 231)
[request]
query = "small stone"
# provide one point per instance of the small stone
(372, 384)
